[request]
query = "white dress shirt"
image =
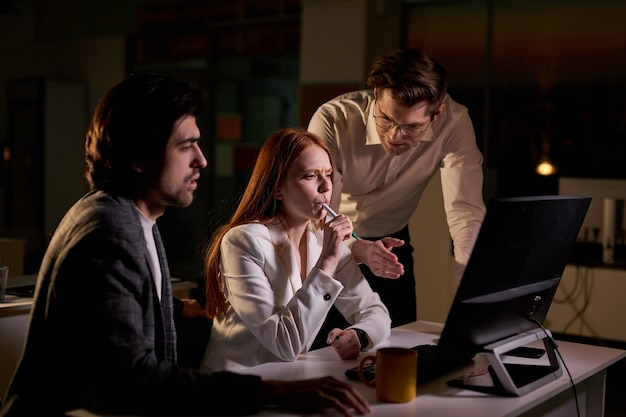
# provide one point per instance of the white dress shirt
(153, 257)
(273, 315)
(380, 192)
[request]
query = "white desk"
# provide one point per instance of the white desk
(586, 363)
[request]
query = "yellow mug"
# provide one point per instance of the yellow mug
(396, 374)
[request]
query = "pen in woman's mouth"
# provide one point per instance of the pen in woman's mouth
(334, 214)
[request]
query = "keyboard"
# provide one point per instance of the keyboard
(428, 365)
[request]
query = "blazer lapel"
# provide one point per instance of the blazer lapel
(314, 247)
(285, 258)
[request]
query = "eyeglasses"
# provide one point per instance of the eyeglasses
(410, 131)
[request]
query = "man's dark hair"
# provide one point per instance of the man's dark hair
(132, 124)
(410, 76)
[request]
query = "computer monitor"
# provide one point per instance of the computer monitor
(512, 275)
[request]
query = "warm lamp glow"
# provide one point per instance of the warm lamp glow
(545, 167)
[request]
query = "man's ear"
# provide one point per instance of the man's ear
(437, 112)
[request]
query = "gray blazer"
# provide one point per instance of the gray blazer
(96, 338)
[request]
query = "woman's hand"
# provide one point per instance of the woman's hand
(345, 342)
(335, 232)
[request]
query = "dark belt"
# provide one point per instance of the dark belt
(402, 234)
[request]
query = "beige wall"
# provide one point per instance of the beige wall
(332, 47)
(590, 302)
(434, 263)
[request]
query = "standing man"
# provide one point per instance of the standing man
(101, 334)
(388, 142)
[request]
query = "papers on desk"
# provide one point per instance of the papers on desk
(15, 301)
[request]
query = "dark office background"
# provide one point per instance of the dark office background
(542, 79)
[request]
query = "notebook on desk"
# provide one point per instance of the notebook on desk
(507, 288)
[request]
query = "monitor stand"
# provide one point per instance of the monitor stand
(520, 377)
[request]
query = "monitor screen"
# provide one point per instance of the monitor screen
(514, 270)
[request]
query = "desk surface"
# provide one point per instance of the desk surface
(14, 304)
(586, 363)
(436, 398)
